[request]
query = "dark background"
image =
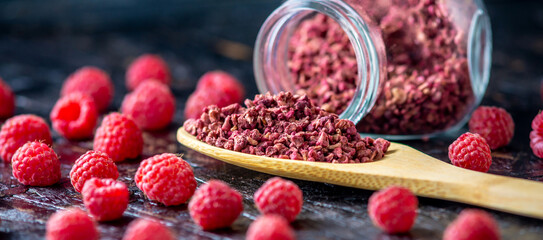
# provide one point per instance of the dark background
(42, 42)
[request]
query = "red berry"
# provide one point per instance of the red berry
(106, 199)
(222, 82)
(93, 82)
(279, 196)
(393, 209)
(147, 229)
(166, 178)
(145, 67)
(151, 105)
(270, 227)
(92, 164)
(494, 124)
(71, 223)
(7, 100)
(470, 151)
(215, 205)
(20, 129)
(537, 123)
(119, 137)
(74, 116)
(36, 164)
(536, 143)
(472, 224)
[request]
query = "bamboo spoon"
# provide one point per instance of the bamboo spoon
(402, 165)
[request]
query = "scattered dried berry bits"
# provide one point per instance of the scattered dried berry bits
(536, 135)
(36, 164)
(74, 116)
(92, 164)
(146, 229)
(472, 224)
(270, 227)
(281, 197)
(106, 199)
(494, 124)
(71, 223)
(285, 126)
(215, 205)
(20, 129)
(93, 82)
(119, 137)
(7, 98)
(470, 151)
(393, 209)
(145, 67)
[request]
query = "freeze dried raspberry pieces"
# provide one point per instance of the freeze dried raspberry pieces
(145, 67)
(106, 199)
(74, 116)
(7, 100)
(92, 164)
(93, 82)
(36, 164)
(393, 209)
(472, 224)
(215, 205)
(20, 129)
(166, 178)
(494, 124)
(279, 196)
(151, 105)
(147, 229)
(470, 151)
(71, 223)
(270, 227)
(119, 137)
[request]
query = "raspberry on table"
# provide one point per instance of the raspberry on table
(7, 98)
(151, 105)
(393, 209)
(470, 151)
(166, 178)
(92, 164)
(147, 229)
(215, 205)
(20, 129)
(36, 164)
(119, 137)
(145, 67)
(279, 196)
(71, 223)
(93, 82)
(472, 224)
(105, 198)
(270, 227)
(494, 124)
(74, 116)
(536, 135)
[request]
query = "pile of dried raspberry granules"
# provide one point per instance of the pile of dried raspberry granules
(427, 87)
(285, 126)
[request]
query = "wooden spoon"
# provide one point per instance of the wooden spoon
(403, 166)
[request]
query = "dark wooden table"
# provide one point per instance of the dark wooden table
(41, 43)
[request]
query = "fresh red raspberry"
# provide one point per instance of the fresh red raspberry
(536, 143)
(92, 164)
(74, 116)
(119, 137)
(393, 209)
(472, 224)
(36, 164)
(537, 123)
(470, 151)
(494, 124)
(151, 105)
(93, 82)
(147, 229)
(270, 227)
(105, 198)
(215, 205)
(20, 129)
(279, 196)
(7, 100)
(224, 83)
(147, 66)
(71, 223)
(166, 178)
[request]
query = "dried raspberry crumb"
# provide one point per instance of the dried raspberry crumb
(279, 196)
(106, 199)
(147, 229)
(7, 98)
(145, 67)
(119, 137)
(93, 82)
(166, 178)
(472, 224)
(74, 116)
(215, 205)
(270, 227)
(494, 124)
(71, 223)
(92, 164)
(20, 129)
(470, 151)
(393, 209)
(36, 164)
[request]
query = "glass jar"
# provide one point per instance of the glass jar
(400, 69)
